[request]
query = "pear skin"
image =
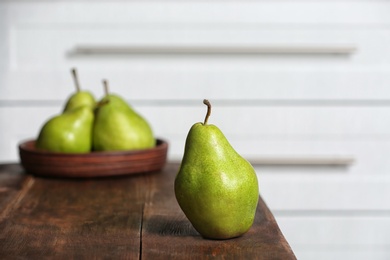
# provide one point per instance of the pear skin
(216, 188)
(70, 132)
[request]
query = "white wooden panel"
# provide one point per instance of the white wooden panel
(341, 253)
(256, 122)
(329, 191)
(267, 123)
(337, 237)
(249, 12)
(173, 84)
(290, 120)
(48, 46)
(370, 155)
(332, 230)
(18, 124)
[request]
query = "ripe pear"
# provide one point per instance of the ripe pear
(118, 127)
(79, 98)
(216, 188)
(69, 132)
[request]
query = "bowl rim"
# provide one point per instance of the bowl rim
(25, 146)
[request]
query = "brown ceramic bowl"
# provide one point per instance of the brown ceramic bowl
(94, 164)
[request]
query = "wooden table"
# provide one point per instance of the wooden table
(129, 217)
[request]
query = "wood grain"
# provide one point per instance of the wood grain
(128, 217)
(12, 186)
(62, 218)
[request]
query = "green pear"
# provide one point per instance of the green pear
(216, 188)
(79, 98)
(119, 127)
(69, 132)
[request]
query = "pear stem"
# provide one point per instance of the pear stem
(208, 104)
(106, 91)
(106, 88)
(76, 79)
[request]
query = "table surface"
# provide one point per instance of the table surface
(128, 217)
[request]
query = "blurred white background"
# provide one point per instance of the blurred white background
(300, 88)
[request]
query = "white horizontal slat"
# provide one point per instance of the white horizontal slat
(250, 122)
(244, 122)
(258, 133)
(335, 237)
(324, 190)
(360, 252)
(175, 84)
(280, 12)
(34, 48)
(333, 230)
(369, 154)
